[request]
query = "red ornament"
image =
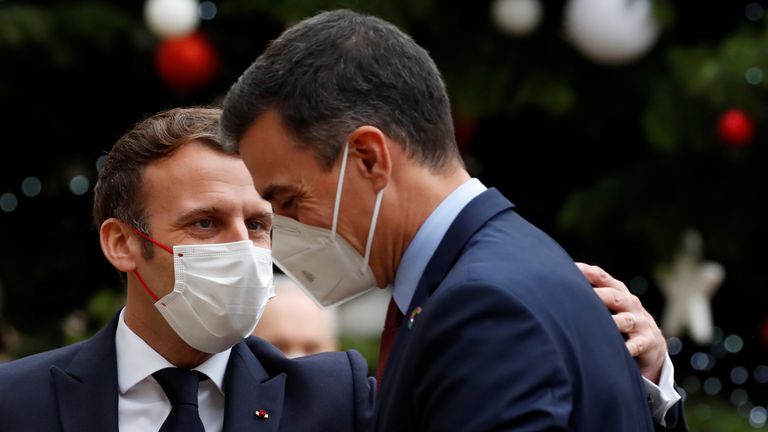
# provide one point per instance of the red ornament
(736, 128)
(186, 63)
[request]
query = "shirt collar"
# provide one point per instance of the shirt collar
(427, 239)
(136, 360)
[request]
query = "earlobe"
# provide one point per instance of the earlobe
(117, 246)
(373, 158)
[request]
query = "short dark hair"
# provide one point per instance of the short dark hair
(118, 190)
(339, 70)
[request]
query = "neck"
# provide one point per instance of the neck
(415, 193)
(144, 320)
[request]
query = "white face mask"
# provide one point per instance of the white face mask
(322, 262)
(219, 295)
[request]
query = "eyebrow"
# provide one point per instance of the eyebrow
(273, 190)
(197, 212)
(212, 210)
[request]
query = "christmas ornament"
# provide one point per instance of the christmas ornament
(187, 63)
(611, 32)
(516, 17)
(171, 18)
(736, 128)
(688, 284)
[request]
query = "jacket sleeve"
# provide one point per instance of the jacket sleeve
(675, 419)
(363, 391)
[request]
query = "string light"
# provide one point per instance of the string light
(757, 417)
(674, 346)
(207, 10)
(8, 202)
(739, 375)
(733, 344)
(754, 76)
(712, 386)
(754, 11)
(79, 185)
(100, 162)
(31, 186)
(761, 374)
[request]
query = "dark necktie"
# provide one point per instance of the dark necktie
(391, 327)
(180, 385)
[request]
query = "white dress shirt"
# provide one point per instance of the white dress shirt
(416, 257)
(142, 404)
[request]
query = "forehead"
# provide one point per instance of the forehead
(196, 175)
(273, 158)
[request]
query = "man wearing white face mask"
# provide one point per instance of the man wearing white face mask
(345, 126)
(181, 220)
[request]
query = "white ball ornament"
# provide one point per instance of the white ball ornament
(516, 17)
(611, 32)
(171, 18)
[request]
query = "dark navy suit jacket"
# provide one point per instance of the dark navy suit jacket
(504, 333)
(74, 389)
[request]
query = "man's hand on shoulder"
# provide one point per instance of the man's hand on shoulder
(645, 341)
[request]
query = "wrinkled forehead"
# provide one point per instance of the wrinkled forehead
(197, 176)
(274, 161)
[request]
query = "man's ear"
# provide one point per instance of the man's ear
(119, 245)
(370, 147)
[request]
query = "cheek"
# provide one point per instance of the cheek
(315, 214)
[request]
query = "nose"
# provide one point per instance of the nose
(236, 231)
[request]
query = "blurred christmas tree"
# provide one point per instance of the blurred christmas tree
(614, 125)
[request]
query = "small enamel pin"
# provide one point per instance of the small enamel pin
(413, 316)
(262, 414)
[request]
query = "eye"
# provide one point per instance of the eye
(255, 225)
(204, 223)
(287, 204)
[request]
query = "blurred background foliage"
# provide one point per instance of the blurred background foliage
(614, 161)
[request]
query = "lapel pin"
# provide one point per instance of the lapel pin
(262, 414)
(413, 316)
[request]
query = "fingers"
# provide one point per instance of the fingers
(625, 321)
(599, 277)
(637, 346)
(619, 301)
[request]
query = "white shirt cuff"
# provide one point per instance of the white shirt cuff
(663, 396)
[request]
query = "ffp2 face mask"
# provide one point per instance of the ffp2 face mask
(321, 261)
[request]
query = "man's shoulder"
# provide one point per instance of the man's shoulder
(38, 364)
(317, 365)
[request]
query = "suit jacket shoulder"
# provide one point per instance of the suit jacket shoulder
(505, 334)
(74, 389)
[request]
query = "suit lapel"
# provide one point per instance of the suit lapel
(86, 389)
(471, 218)
(249, 389)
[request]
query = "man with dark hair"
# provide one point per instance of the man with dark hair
(180, 217)
(495, 327)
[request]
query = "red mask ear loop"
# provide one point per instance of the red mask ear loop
(136, 272)
(146, 288)
(153, 241)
